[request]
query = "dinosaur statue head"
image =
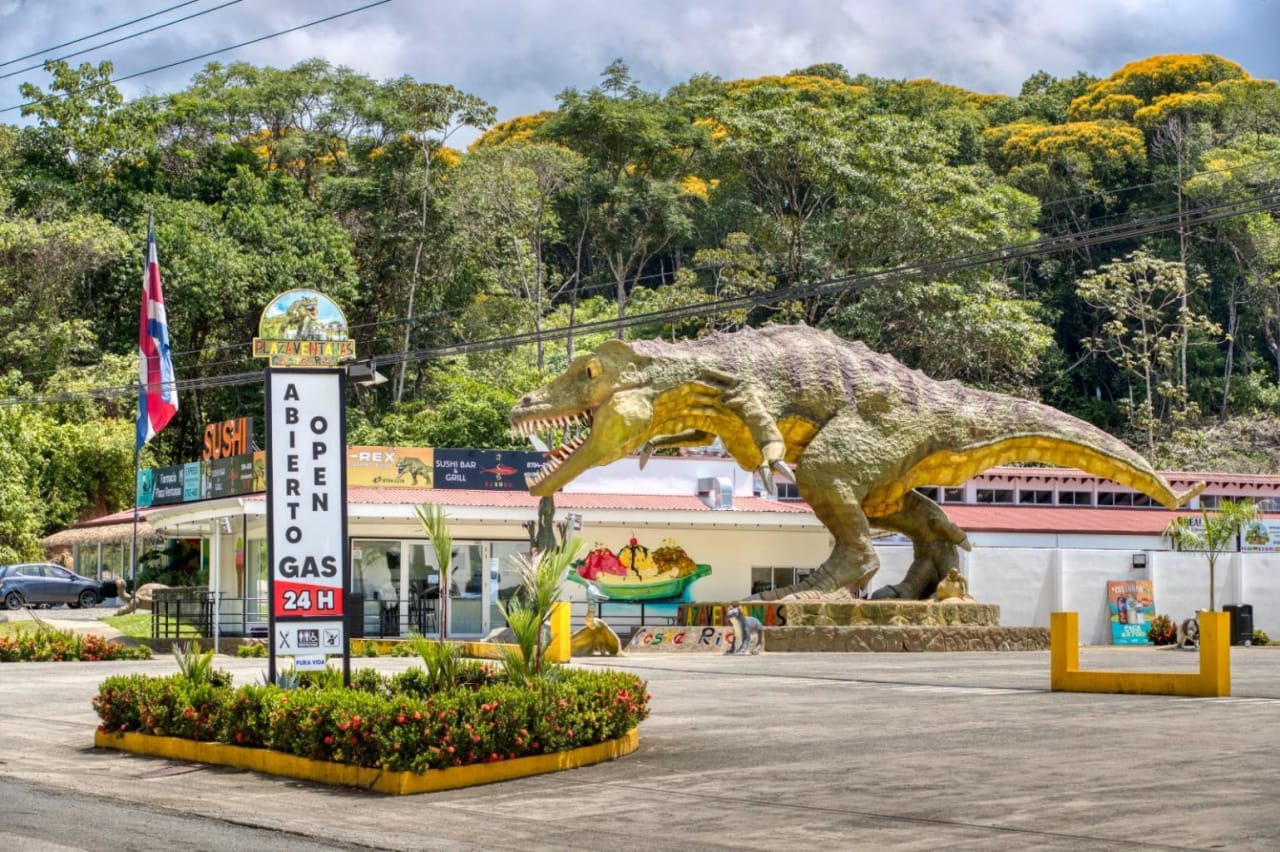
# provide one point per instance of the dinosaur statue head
(601, 405)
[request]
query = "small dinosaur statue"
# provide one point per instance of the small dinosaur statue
(859, 428)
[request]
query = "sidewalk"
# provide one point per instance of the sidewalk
(77, 621)
(795, 751)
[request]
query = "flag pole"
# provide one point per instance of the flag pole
(133, 550)
(140, 437)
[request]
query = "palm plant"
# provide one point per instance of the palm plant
(1213, 533)
(435, 523)
(542, 578)
(441, 660)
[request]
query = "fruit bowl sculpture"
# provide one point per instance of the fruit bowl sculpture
(637, 574)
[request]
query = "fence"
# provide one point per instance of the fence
(179, 612)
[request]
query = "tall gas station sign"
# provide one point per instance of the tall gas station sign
(303, 336)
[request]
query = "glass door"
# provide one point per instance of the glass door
(421, 611)
(468, 615)
(504, 577)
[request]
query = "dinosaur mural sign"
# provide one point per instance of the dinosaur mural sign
(390, 467)
(303, 328)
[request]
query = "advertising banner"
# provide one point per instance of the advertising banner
(146, 485)
(166, 489)
(191, 482)
(390, 467)
(1132, 607)
(485, 470)
(243, 474)
(306, 508)
(1261, 537)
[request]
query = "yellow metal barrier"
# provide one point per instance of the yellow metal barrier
(561, 647)
(1212, 681)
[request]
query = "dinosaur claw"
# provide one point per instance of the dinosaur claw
(766, 479)
(783, 470)
(645, 452)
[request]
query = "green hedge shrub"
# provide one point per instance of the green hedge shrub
(45, 644)
(386, 722)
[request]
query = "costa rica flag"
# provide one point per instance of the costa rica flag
(157, 392)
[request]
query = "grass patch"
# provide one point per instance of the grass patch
(135, 625)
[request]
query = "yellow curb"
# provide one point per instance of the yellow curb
(382, 781)
(1212, 681)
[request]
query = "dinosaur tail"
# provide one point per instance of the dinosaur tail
(1007, 430)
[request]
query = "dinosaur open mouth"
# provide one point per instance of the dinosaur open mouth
(565, 432)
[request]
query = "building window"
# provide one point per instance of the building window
(786, 490)
(994, 495)
(1037, 497)
(768, 577)
(1210, 501)
(953, 495)
(932, 493)
(1075, 498)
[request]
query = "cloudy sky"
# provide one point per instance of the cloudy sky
(518, 55)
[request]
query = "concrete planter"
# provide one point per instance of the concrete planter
(378, 780)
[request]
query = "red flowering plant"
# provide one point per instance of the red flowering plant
(44, 644)
(381, 724)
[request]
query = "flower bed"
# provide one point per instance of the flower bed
(385, 723)
(44, 644)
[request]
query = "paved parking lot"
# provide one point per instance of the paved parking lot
(800, 751)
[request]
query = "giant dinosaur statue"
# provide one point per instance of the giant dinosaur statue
(861, 430)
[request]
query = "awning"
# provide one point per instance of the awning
(102, 534)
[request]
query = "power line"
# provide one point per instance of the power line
(98, 33)
(206, 55)
(851, 283)
(147, 31)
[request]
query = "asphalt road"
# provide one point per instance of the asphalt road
(777, 751)
(48, 819)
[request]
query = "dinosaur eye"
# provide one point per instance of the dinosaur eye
(593, 369)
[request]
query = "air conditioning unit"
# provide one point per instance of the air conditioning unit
(716, 492)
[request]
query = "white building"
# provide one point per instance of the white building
(1043, 540)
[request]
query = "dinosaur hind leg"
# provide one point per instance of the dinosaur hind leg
(935, 542)
(825, 481)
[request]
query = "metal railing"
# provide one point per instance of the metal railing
(622, 616)
(182, 612)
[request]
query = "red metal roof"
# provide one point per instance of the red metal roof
(523, 500)
(1060, 519)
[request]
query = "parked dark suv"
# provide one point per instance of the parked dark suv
(35, 583)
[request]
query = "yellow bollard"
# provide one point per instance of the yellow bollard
(561, 647)
(1212, 681)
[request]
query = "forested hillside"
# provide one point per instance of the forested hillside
(1108, 245)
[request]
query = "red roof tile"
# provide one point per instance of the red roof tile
(1060, 519)
(523, 500)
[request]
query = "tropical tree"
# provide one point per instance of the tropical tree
(1139, 301)
(502, 200)
(1214, 533)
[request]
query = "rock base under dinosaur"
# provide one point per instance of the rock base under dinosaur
(876, 625)
(905, 638)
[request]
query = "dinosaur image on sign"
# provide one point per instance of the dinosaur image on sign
(855, 430)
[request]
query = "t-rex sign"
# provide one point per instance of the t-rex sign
(859, 429)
